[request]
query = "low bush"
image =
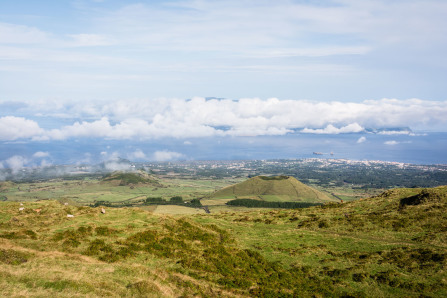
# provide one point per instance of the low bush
(13, 257)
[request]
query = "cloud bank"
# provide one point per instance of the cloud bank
(166, 156)
(200, 117)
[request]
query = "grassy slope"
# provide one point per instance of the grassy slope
(286, 189)
(87, 191)
(373, 247)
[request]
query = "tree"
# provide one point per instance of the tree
(176, 199)
(196, 202)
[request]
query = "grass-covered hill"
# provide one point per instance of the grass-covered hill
(394, 244)
(130, 178)
(275, 188)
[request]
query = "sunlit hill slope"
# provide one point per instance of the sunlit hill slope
(275, 188)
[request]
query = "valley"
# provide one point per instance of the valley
(149, 233)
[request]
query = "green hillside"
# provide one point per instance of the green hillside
(392, 245)
(123, 179)
(276, 188)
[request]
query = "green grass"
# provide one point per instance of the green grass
(276, 188)
(394, 244)
(86, 192)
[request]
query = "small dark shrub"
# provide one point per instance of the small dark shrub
(105, 231)
(323, 224)
(359, 277)
(13, 257)
(85, 231)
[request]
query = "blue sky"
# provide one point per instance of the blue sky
(318, 50)
(142, 71)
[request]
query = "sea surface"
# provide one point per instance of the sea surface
(416, 148)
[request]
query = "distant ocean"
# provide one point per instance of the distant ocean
(418, 148)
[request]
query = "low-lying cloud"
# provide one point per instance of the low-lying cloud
(393, 142)
(199, 117)
(330, 129)
(166, 156)
(16, 163)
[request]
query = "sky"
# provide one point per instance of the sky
(143, 71)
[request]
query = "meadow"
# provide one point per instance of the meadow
(393, 244)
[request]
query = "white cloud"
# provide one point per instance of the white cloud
(89, 40)
(137, 155)
(18, 34)
(391, 143)
(41, 154)
(330, 129)
(396, 132)
(166, 155)
(187, 143)
(195, 118)
(45, 163)
(361, 140)
(193, 25)
(87, 158)
(13, 128)
(16, 163)
(113, 165)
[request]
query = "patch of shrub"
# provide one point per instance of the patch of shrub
(336, 273)
(96, 247)
(426, 195)
(148, 236)
(385, 277)
(359, 277)
(22, 234)
(85, 231)
(414, 258)
(274, 177)
(13, 257)
(323, 224)
(105, 231)
(70, 242)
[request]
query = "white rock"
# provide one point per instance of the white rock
(70, 215)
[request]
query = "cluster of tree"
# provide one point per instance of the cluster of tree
(282, 177)
(263, 204)
(175, 200)
(156, 200)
